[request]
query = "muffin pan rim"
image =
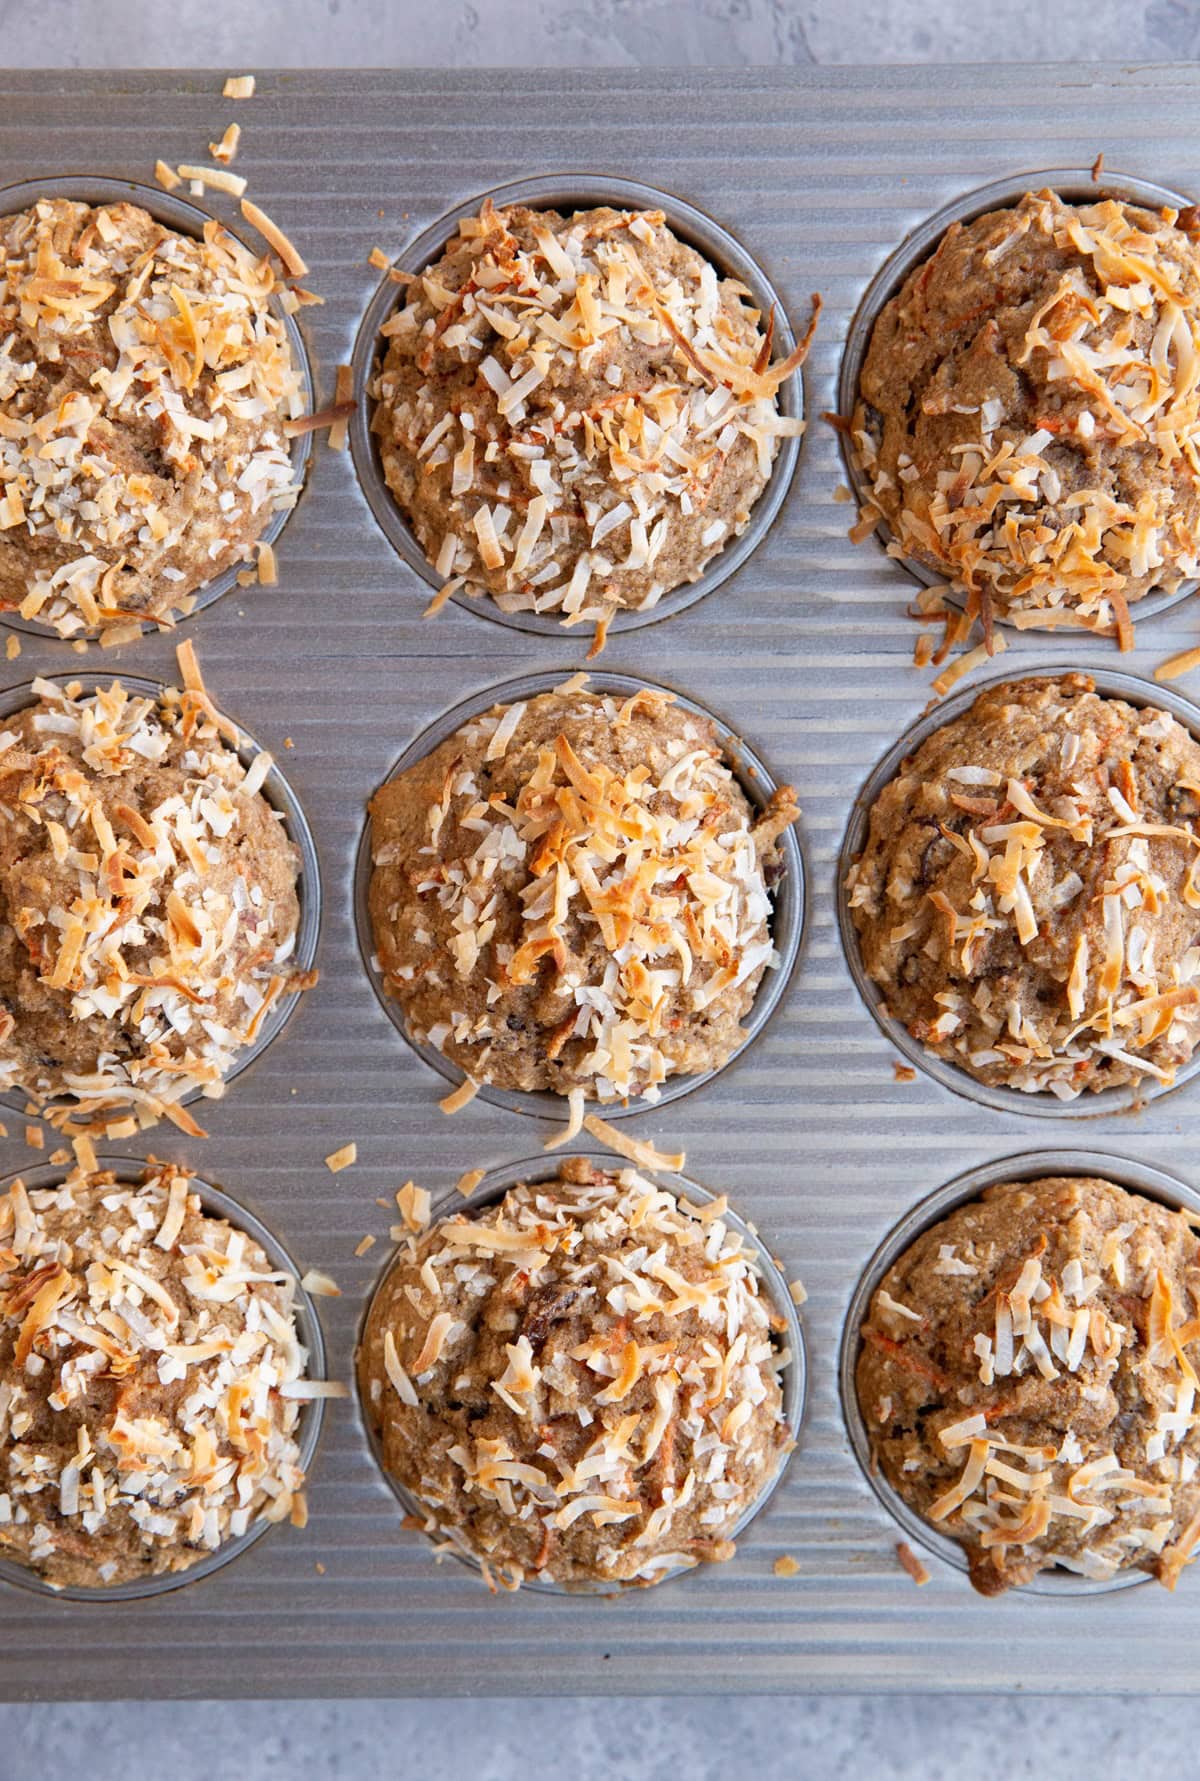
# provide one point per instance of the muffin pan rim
(787, 933)
(582, 190)
(1136, 1177)
(282, 798)
(183, 216)
(1076, 185)
(543, 1168)
(1110, 682)
(128, 1172)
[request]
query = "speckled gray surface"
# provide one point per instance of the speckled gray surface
(833, 1739)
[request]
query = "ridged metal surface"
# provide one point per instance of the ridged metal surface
(807, 653)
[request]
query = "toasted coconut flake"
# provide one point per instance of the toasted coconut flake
(466, 1184)
(239, 86)
(786, 1566)
(912, 1564)
(636, 1150)
(574, 1125)
(272, 233)
(320, 1286)
(225, 151)
(341, 1159)
(461, 1096)
(221, 180)
(166, 176)
(343, 402)
(966, 664)
(1176, 666)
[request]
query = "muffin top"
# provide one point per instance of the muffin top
(576, 413)
(570, 893)
(1027, 1381)
(147, 1355)
(1028, 898)
(579, 1383)
(1029, 409)
(144, 385)
(148, 906)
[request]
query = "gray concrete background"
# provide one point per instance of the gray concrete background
(831, 1739)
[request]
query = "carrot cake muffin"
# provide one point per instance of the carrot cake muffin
(1027, 1379)
(1029, 410)
(571, 893)
(148, 1361)
(144, 386)
(148, 904)
(576, 413)
(580, 1383)
(1028, 899)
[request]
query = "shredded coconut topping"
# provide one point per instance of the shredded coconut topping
(1039, 928)
(149, 893)
(581, 1381)
(576, 413)
(144, 382)
(621, 906)
(1072, 486)
(148, 1352)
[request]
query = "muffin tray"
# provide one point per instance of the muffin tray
(805, 651)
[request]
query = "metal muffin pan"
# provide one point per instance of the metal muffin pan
(1134, 691)
(787, 897)
(568, 192)
(282, 798)
(186, 219)
(1077, 185)
(1138, 1178)
(308, 1327)
(792, 1376)
(806, 651)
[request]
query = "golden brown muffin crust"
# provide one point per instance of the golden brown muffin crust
(148, 900)
(540, 840)
(579, 1383)
(1027, 897)
(144, 1346)
(144, 383)
(576, 413)
(1027, 1380)
(1027, 414)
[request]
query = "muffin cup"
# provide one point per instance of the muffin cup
(1043, 1104)
(282, 798)
(186, 219)
(793, 1376)
(1137, 1177)
(787, 898)
(1076, 185)
(308, 1328)
(570, 192)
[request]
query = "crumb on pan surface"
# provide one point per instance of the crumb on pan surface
(580, 1383)
(1028, 896)
(576, 413)
(572, 892)
(1027, 1381)
(147, 1349)
(148, 895)
(1028, 412)
(144, 385)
